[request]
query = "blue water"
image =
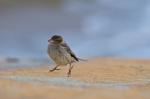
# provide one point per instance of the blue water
(68, 82)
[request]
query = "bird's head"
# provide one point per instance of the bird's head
(56, 39)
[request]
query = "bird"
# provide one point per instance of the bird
(60, 52)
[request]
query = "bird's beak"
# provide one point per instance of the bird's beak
(50, 41)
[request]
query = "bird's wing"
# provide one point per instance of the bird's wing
(67, 48)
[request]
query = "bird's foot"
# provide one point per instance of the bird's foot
(51, 70)
(69, 73)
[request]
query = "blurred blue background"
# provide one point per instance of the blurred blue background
(111, 28)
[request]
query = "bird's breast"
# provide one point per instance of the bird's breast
(59, 55)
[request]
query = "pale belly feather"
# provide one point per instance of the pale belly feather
(59, 55)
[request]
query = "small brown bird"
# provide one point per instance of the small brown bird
(60, 53)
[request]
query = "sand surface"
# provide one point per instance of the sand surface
(99, 78)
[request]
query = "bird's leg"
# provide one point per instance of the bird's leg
(69, 72)
(55, 68)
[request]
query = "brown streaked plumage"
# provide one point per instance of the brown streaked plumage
(60, 53)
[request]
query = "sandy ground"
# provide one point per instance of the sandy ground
(99, 78)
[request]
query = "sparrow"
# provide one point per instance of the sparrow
(59, 51)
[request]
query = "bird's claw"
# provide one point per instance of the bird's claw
(69, 73)
(51, 70)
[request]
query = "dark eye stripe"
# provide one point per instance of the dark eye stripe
(58, 39)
